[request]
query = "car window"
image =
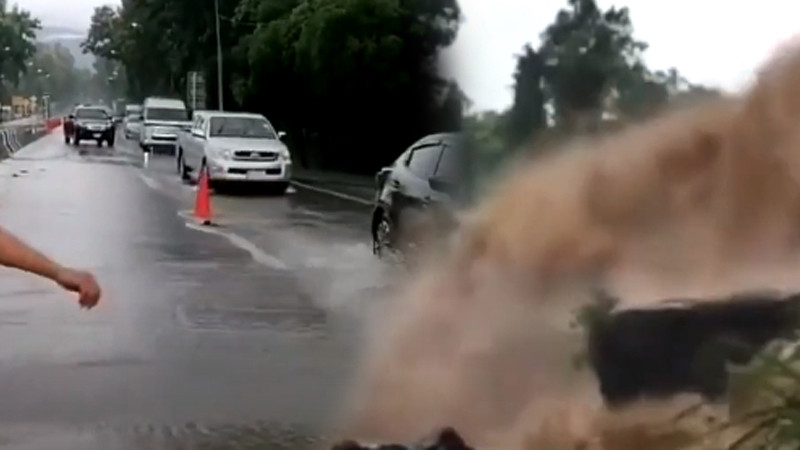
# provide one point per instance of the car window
(89, 113)
(241, 127)
(450, 163)
(422, 162)
(167, 114)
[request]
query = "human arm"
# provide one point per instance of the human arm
(18, 255)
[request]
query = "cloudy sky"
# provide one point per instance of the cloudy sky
(63, 13)
(689, 35)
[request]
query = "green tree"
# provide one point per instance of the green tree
(586, 51)
(453, 105)
(640, 92)
(51, 71)
(323, 70)
(17, 36)
(527, 114)
(335, 69)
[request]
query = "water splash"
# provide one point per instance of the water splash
(696, 202)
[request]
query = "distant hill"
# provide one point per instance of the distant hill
(69, 38)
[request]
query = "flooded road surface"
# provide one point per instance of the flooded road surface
(242, 336)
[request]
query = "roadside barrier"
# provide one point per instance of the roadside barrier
(13, 139)
(52, 124)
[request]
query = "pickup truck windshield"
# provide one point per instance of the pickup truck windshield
(91, 114)
(167, 114)
(242, 127)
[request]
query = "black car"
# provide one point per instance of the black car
(92, 123)
(422, 188)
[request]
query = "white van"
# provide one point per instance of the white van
(162, 119)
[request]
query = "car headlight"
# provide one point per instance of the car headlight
(223, 153)
(285, 155)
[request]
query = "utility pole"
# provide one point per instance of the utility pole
(219, 57)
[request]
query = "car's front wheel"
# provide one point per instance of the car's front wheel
(218, 186)
(183, 173)
(381, 237)
(279, 188)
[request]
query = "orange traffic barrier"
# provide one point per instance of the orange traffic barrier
(52, 124)
(202, 203)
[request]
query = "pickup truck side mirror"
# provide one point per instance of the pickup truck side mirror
(281, 134)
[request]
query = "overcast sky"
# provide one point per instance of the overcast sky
(689, 35)
(63, 13)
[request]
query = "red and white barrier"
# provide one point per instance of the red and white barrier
(52, 124)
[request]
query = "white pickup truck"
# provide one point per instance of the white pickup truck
(235, 147)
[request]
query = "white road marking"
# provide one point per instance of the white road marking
(258, 255)
(352, 198)
(312, 213)
(150, 182)
(185, 215)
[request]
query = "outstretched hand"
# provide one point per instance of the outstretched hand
(82, 283)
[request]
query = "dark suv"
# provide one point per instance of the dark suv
(420, 192)
(92, 123)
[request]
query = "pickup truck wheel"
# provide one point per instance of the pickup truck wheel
(279, 188)
(217, 186)
(181, 166)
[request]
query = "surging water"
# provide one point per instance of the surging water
(697, 202)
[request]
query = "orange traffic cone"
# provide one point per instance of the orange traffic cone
(202, 203)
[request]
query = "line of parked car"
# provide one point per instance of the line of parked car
(233, 147)
(418, 193)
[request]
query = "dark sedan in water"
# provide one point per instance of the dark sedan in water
(418, 193)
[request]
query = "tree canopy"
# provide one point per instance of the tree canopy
(17, 44)
(586, 74)
(353, 82)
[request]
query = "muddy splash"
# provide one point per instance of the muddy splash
(702, 201)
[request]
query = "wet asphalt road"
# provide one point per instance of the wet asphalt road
(243, 336)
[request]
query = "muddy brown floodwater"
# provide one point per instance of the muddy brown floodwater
(697, 202)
